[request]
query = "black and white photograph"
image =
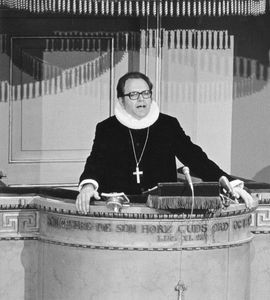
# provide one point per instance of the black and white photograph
(134, 149)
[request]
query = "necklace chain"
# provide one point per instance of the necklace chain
(133, 147)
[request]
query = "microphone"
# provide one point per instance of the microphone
(186, 172)
(225, 184)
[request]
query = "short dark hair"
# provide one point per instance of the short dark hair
(131, 75)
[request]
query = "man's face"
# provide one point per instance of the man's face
(137, 108)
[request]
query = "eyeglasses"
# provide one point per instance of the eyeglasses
(136, 95)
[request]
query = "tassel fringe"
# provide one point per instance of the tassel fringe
(176, 202)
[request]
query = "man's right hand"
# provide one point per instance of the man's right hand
(83, 199)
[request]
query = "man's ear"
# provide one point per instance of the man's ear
(121, 101)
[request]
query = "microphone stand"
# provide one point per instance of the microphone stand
(189, 180)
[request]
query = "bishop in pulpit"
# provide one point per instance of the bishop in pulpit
(136, 148)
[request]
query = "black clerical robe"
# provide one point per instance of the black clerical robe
(112, 162)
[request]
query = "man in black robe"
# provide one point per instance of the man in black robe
(136, 148)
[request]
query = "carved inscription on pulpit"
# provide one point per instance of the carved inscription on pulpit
(154, 233)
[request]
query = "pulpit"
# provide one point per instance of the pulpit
(49, 251)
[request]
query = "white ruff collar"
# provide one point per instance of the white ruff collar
(129, 121)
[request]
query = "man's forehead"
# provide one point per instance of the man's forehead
(136, 84)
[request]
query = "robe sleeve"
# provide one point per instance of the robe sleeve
(192, 156)
(95, 164)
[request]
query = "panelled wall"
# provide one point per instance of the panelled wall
(60, 82)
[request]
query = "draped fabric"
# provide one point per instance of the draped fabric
(196, 87)
(49, 78)
(141, 7)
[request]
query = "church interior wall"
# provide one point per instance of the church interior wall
(241, 125)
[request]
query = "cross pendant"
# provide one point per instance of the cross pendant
(138, 173)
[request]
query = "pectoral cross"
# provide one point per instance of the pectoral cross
(138, 173)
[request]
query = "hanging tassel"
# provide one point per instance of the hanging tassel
(137, 8)
(166, 8)
(177, 9)
(96, 7)
(204, 12)
(188, 8)
(112, 8)
(183, 8)
(194, 9)
(171, 8)
(130, 8)
(119, 8)
(102, 7)
(125, 8)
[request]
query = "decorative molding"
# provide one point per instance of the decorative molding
(160, 249)
(21, 215)
(19, 222)
(263, 217)
(36, 238)
(19, 238)
(41, 203)
(44, 219)
(261, 220)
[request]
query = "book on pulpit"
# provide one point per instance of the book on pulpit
(178, 195)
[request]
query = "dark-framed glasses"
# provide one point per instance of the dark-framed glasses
(136, 95)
